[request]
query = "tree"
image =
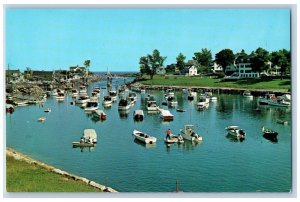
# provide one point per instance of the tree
(259, 60)
(144, 65)
(149, 63)
(204, 58)
(224, 58)
(87, 65)
(180, 61)
(281, 59)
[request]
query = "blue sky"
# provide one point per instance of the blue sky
(50, 39)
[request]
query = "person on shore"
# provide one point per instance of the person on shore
(168, 132)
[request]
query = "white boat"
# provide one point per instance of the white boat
(188, 133)
(174, 139)
(107, 101)
(144, 137)
(171, 101)
(166, 115)
(124, 104)
(90, 134)
(82, 90)
(170, 93)
(138, 115)
(143, 91)
(42, 119)
(89, 139)
(213, 98)
(132, 96)
(99, 114)
(60, 96)
(21, 103)
(247, 94)
(96, 92)
(151, 106)
(82, 99)
(113, 95)
(203, 103)
(74, 92)
(236, 132)
(91, 106)
(47, 110)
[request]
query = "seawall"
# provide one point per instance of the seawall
(19, 156)
(215, 90)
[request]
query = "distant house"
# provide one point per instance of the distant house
(77, 69)
(216, 68)
(161, 70)
(191, 71)
(14, 76)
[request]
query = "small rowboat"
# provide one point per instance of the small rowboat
(47, 110)
(144, 137)
(42, 119)
(180, 110)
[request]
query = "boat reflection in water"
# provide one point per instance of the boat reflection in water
(232, 138)
(148, 146)
(124, 114)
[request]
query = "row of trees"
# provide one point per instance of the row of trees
(260, 60)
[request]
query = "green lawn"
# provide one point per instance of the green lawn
(274, 84)
(25, 177)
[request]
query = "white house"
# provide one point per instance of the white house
(216, 68)
(161, 71)
(192, 71)
(243, 71)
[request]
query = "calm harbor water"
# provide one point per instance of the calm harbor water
(218, 164)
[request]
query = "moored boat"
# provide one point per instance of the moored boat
(144, 137)
(269, 134)
(188, 133)
(247, 94)
(124, 104)
(91, 106)
(41, 119)
(174, 139)
(82, 99)
(47, 110)
(166, 115)
(89, 139)
(236, 132)
(99, 114)
(282, 122)
(113, 95)
(151, 106)
(107, 101)
(138, 115)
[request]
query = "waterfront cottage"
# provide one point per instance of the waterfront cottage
(191, 71)
(161, 70)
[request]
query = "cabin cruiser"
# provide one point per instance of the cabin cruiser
(91, 106)
(82, 100)
(144, 137)
(236, 132)
(151, 106)
(171, 101)
(107, 101)
(60, 96)
(89, 139)
(82, 90)
(132, 96)
(113, 95)
(203, 103)
(124, 104)
(74, 92)
(188, 133)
